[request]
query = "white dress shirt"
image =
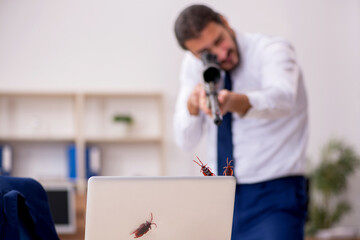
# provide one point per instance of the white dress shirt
(270, 140)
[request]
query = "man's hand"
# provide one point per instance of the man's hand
(193, 102)
(197, 101)
(228, 102)
(233, 102)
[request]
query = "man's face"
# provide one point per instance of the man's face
(216, 39)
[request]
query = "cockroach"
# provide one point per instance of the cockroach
(143, 228)
(228, 169)
(204, 169)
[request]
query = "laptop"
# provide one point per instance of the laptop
(160, 208)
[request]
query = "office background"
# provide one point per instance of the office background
(78, 45)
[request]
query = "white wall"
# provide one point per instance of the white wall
(126, 45)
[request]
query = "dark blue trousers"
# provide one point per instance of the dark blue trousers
(270, 210)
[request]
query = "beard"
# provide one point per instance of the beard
(233, 56)
(231, 61)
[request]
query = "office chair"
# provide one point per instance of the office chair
(24, 210)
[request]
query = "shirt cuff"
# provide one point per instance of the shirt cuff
(190, 120)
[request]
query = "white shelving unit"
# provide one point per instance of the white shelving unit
(39, 126)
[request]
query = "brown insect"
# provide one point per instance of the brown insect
(143, 228)
(228, 169)
(204, 169)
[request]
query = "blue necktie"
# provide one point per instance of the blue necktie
(224, 143)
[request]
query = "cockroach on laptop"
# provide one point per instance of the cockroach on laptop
(143, 228)
(228, 169)
(204, 169)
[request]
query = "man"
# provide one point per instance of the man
(267, 108)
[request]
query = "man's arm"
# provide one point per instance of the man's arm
(188, 119)
(279, 76)
(233, 102)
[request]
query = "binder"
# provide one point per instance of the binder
(93, 161)
(71, 155)
(5, 160)
(1, 147)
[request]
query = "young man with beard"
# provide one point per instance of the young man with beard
(261, 92)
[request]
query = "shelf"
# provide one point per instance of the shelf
(50, 94)
(123, 139)
(39, 126)
(29, 115)
(123, 95)
(36, 139)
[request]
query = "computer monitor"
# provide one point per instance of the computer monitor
(61, 197)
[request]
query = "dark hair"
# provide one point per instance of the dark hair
(192, 20)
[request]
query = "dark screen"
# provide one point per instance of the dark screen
(59, 206)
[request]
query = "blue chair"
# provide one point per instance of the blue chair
(24, 210)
